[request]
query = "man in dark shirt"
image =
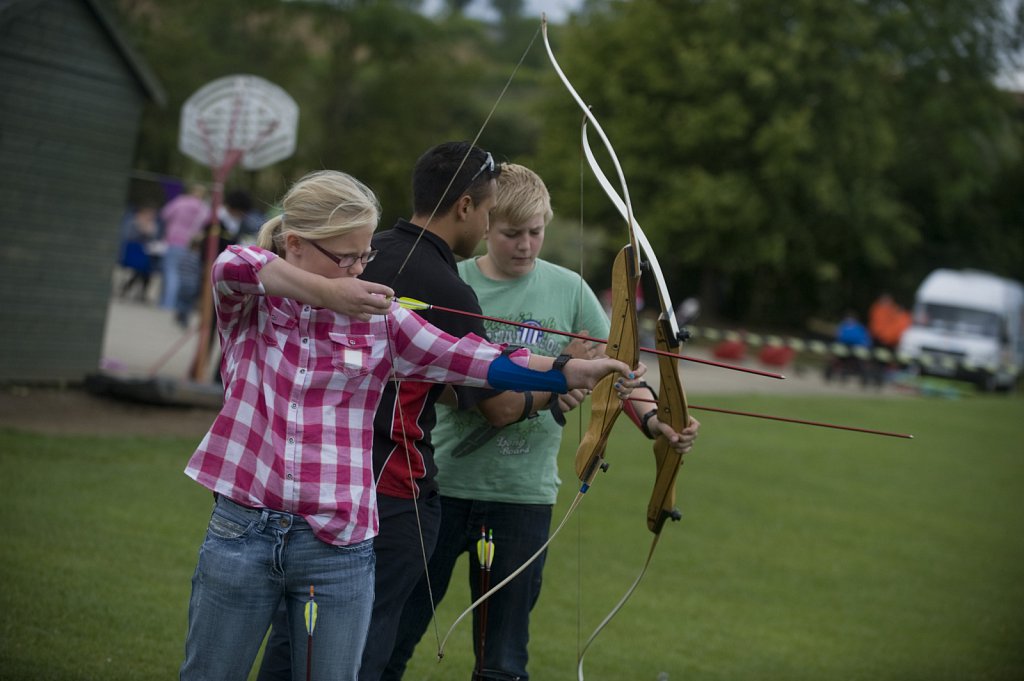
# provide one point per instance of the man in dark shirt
(402, 451)
(453, 193)
(459, 222)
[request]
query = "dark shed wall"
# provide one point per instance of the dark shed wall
(69, 116)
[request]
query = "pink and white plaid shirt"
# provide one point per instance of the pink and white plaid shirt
(301, 387)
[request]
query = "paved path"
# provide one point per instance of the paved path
(143, 340)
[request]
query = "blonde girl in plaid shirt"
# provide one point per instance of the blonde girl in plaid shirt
(307, 350)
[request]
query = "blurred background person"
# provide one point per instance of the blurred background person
(852, 334)
(887, 321)
(239, 222)
(140, 233)
(183, 218)
(190, 271)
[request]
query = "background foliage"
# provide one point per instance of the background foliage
(789, 158)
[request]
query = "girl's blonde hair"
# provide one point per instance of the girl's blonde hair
(521, 196)
(321, 205)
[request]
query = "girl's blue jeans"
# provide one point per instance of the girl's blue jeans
(250, 561)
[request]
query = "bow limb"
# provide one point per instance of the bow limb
(625, 209)
(622, 341)
(627, 214)
(673, 411)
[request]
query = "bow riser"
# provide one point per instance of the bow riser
(606, 405)
(673, 411)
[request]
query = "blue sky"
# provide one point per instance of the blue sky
(555, 9)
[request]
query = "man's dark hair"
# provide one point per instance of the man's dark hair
(435, 169)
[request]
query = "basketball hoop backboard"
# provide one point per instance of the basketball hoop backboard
(239, 119)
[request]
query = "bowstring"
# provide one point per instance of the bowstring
(615, 611)
(579, 438)
(391, 352)
(413, 489)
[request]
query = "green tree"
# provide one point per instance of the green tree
(788, 158)
(402, 83)
(960, 138)
(766, 142)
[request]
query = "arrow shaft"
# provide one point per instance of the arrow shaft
(803, 422)
(653, 351)
(819, 424)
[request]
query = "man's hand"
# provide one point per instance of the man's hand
(581, 349)
(571, 400)
(357, 298)
(682, 441)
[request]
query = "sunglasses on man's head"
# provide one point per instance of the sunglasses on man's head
(488, 165)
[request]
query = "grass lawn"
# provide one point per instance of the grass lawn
(803, 553)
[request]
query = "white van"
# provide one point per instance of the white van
(968, 324)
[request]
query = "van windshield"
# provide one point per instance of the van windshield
(959, 319)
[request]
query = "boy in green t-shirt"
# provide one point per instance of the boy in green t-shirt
(497, 466)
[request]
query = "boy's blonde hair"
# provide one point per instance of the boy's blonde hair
(321, 205)
(521, 196)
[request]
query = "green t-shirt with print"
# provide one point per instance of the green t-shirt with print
(519, 463)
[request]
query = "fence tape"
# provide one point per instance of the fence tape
(833, 348)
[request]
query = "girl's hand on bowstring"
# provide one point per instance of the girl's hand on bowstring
(571, 400)
(357, 298)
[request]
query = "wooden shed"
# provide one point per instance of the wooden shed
(71, 98)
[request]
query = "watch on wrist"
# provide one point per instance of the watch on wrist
(560, 362)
